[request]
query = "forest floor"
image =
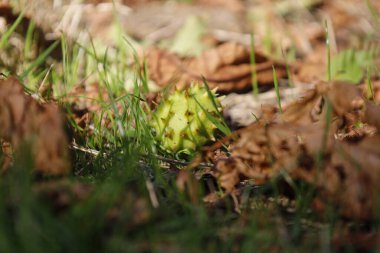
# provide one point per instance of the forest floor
(190, 126)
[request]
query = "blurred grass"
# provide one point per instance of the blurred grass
(112, 218)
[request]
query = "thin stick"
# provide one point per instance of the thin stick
(152, 194)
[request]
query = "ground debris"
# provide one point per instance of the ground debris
(24, 120)
(226, 67)
(302, 142)
(363, 236)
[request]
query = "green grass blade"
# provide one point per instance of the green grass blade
(255, 85)
(211, 95)
(5, 38)
(219, 123)
(221, 126)
(277, 89)
(369, 84)
(290, 82)
(40, 59)
(374, 13)
(29, 39)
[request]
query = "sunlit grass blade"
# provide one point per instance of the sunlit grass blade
(29, 39)
(374, 13)
(211, 96)
(6, 36)
(275, 81)
(369, 84)
(143, 75)
(218, 122)
(221, 125)
(290, 82)
(255, 85)
(40, 59)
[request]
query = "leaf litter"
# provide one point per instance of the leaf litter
(226, 67)
(323, 139)
(25, 121)
(299, 143)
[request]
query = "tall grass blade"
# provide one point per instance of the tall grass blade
(374, 13)
(29, 39)
(277, 89)
(5, 38)
(369, 84)
(40, 59)
(255, 86)
(290, 82)
(222, 126)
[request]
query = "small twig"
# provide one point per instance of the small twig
(171, 160)
(236, 203)
(92, 152)
(152, 194)
(164, 160)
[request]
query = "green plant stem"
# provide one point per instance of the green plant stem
(255, 85)
(6, 36)
(328, 53)
(369, 84)
(277, 89)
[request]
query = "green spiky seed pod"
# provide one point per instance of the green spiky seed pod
(182, 121)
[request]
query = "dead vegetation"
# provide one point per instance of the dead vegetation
(304, 115)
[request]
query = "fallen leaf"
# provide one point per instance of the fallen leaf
(344, 171)
(23, 120)
(226, 67)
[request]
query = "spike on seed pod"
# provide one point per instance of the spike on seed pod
(186, 113)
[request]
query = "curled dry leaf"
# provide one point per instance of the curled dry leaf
(23, 120)
(226, 67)
(344, 171)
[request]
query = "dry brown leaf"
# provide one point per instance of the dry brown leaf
(312, 67)
(344, 171)
(234, 5)
(23, 120)
(226, 67)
